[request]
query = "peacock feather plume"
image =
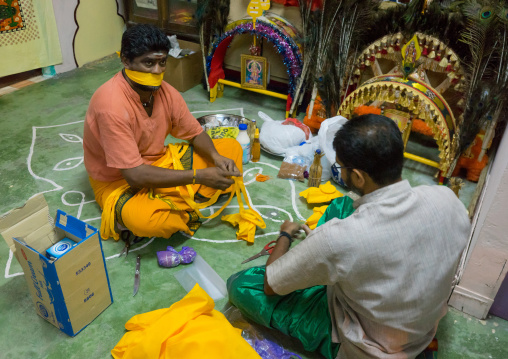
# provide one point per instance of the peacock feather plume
(485, 66)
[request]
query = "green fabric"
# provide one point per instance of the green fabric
(302, 314)
(427, 354)
(341, 208)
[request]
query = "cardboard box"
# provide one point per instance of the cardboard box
(186, 72)
(68, 292)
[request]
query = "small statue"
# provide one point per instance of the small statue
(315, 170)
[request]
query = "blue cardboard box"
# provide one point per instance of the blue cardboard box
(70, 291)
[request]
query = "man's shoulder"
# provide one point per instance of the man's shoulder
(169, 91)
(112, 85)
(109, 97)
(437, 192)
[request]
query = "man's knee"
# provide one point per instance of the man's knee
(244, 283)
(230, 148)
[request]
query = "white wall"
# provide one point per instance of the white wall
(486, 265)
(64, 15)
(93, 16)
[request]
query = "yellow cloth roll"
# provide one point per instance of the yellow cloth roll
(324, 193)
(313, 220)
(190, 328)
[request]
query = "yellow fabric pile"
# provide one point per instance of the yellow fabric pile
(248, 219)
(190, 328)
(322, 194)
(313, 220)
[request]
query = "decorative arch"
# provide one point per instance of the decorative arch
(418, 99)
(275, 30)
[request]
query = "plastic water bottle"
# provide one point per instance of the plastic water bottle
(244, 140)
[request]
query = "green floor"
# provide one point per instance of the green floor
(40, 152)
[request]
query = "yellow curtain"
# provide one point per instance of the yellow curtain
(28, 37)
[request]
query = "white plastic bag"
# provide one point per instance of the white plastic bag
(326, 134)
(175, 46)
(275, 137)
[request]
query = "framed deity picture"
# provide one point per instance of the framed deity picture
(254, 71)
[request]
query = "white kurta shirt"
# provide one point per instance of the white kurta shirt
(389, 269)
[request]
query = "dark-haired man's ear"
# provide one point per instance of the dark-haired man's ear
(358, 178)
(125, 62)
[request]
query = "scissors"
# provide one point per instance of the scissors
(126, 237)
(267, 250)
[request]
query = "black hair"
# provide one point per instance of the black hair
(142, 38)
(371, 143)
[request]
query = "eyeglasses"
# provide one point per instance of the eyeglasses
(338, 167)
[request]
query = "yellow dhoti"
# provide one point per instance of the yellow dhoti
(148, 217)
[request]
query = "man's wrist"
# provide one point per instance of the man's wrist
(287, 235)
(215, 156)
(195, 177)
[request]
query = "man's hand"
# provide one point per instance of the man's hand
(290, 227)
(215, 177)
(226, 164)
(306, 229)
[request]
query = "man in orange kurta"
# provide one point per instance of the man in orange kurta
(127, 122)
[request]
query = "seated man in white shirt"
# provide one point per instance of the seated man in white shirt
(374, 284)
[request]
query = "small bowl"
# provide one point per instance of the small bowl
(226, 120)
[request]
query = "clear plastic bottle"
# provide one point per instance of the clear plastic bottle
(256, 147)
(244, 140)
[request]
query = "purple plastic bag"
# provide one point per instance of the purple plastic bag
(187, 255)
(170, 258)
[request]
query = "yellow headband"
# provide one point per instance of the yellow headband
(145, 78)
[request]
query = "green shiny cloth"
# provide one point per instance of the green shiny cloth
(303, 314)
(341, 208)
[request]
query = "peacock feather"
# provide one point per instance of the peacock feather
(485, 67)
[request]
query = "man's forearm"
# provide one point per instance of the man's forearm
(204, 147)
(146, 176)
(281, 248)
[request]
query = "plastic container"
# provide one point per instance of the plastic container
(256, 147)
(200, 272)
(244, 140)
(60, 248)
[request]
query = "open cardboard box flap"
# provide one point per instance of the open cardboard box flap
(31, 221)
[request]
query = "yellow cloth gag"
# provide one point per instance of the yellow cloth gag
(145, 78)
(247, 219)
(313, 220)
(190, 328)
(324, 193)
